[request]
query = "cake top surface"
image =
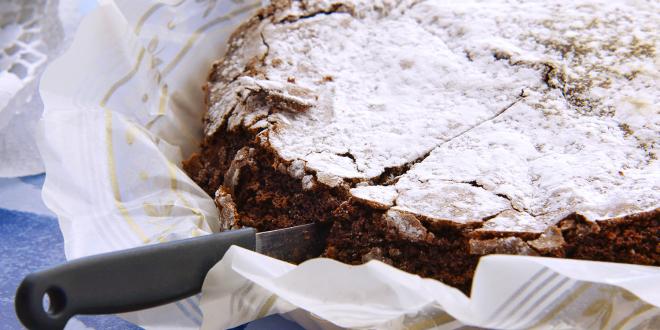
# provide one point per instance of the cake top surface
(503, 112)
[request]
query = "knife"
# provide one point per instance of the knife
(148, 276)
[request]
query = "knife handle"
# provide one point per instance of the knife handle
(123, 281)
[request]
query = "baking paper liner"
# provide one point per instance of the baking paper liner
(123, 107)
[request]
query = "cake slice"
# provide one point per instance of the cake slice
(429, 133)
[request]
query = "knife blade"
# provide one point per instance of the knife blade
(294, 244)
(148, 276)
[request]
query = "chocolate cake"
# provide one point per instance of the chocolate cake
(430, 133)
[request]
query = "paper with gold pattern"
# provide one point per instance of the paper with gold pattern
(123, 107)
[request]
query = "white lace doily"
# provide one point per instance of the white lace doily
(31, 34)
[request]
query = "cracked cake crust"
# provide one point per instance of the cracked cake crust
(429, 133)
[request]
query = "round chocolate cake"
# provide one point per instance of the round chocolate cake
(429, 133)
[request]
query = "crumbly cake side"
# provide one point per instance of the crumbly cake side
(428, 133)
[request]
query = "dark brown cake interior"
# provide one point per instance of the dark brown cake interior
(268, 199)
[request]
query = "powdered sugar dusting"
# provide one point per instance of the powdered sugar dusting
(512, 220)
(396, 90)
(567, 146)
(527, 110)
(383, 196)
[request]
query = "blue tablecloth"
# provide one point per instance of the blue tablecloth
(30, 240)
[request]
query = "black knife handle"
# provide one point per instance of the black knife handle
(123, 281)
